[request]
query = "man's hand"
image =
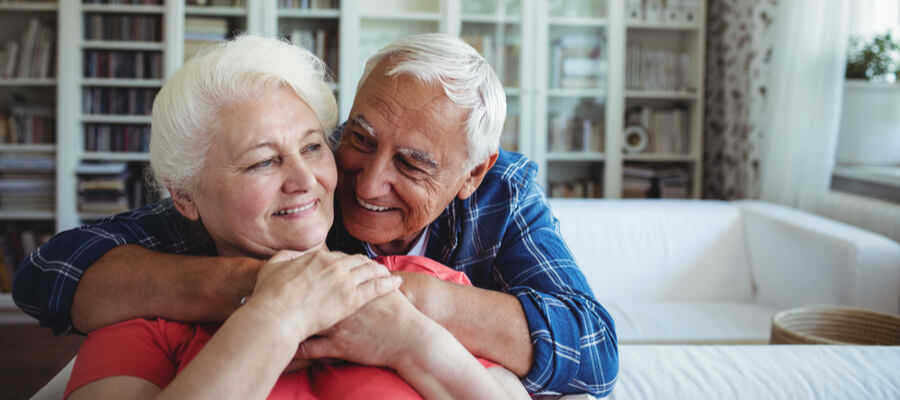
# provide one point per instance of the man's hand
(378, 334)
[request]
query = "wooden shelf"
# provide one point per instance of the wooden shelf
(27, 82)
(122, 45)
(118, 82)
(197, 11)
(31, 215)
(122, 8)
(308, 13)
(115, 156)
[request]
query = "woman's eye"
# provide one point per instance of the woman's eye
(312, 148)
(262, 164)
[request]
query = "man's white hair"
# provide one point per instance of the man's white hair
(186, 110)
(467, 79)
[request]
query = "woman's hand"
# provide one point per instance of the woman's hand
(311, 291)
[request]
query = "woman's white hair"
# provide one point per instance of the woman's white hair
(467, 79)
(186, 110)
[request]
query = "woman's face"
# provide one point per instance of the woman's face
(268, 180)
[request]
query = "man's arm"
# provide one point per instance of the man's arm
(553, 318)
(146, 283)
(46, 281)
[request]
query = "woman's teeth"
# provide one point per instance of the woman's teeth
(295, 210)
(370, 207)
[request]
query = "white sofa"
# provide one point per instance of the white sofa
(713, 272)
(677, 274)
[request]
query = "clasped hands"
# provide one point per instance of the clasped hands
(344, 307)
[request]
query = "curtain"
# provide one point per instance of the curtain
(801, 119)
(740, 43)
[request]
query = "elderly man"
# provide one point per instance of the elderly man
(421, 173)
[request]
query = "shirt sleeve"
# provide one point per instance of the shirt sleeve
(574, 339)
(137, 348)
(45, 282)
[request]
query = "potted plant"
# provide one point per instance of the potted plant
(870, 117)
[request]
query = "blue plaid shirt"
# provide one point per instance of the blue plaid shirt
(504, 237)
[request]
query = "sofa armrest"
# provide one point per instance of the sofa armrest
(799, 258)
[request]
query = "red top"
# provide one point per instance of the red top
(158, 349)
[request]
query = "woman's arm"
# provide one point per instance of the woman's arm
(423, 353)
(247, 354)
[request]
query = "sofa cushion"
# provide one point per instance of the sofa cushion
(648, 250)
(691, 322)
(758, 372)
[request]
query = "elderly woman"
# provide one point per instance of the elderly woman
(239, 141)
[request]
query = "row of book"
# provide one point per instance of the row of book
(16, 244)
(509, 138)
(504, 57)
(28, 124)
(657, 69)
(116, 138)
(33, 55)
(216, 3)
(123, 64)
(580, 188)
(142, 28)
(578, 62)
(672, 11)
(310, 4)
(320, 42)
(667, 128)
(109, 188)
(203, 31)
(572, 134)
(27, 182)
(118, 101)
(639, 182)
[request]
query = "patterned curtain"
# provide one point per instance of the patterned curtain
(739, 49)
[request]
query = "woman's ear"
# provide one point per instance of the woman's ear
(184, 203)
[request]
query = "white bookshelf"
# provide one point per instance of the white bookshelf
(32, 89)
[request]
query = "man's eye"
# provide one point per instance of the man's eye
(361, 141)
(409, 168)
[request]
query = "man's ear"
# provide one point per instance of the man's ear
(475, 176)
(184, 203)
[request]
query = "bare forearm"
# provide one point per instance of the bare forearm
(243, 360)
(490, 324)
(131, 281)
(443, 369)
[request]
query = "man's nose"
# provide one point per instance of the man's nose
(374, 177)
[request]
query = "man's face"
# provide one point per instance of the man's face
(400, 160)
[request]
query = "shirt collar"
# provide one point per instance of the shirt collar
(418, 248)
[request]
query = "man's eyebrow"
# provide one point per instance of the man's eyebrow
(420, 157)
(360, 121)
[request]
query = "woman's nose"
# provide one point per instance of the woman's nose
(299, 177)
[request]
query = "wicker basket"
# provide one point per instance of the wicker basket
(820, 324)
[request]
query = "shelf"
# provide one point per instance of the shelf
(27, 148)
(115, 119)
(490, 19)
(662, 26)
(578, 21)
(308, 13)
(27, 82)
(575, 156)
(122, 45)
(669, 157)
(31, 215)
(661, 95)
(29, 7)
(122, 8)
(115, 82)
(194, 11)
(115, 156)
(576, 92)
(403, 16)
